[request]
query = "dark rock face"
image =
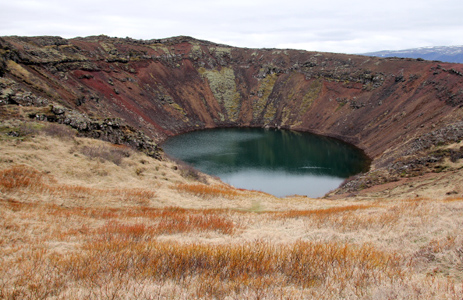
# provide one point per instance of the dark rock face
(170, 86)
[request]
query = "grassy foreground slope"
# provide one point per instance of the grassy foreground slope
(85, 219)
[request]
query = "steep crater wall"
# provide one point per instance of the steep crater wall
(391, 108)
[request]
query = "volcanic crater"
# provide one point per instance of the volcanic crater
(406, 114)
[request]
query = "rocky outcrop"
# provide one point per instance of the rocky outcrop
(170, 86)
(113, 130)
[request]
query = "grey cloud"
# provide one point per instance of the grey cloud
(330, 25)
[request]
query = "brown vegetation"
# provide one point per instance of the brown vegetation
(28, 182)
(85, 219)
(208, 191)
(75, 224)
(50, 252)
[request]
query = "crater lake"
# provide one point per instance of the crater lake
(278, 162)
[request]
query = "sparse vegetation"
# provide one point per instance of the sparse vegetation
(59, 131)
(142, 231)
(27, 182)
(186, 170)
(114, 154)
(85, 219)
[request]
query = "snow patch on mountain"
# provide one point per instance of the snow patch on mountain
(442, 53)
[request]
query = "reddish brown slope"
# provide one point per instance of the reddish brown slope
(170, 86)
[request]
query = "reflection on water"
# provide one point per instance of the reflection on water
(278, 162)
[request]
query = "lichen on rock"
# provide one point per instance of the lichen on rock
(312, 94)
(263, 93)
(270, 112)
(221, 54)
(196, 52)
(223, 86)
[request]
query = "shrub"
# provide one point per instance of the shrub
(59, 131)
(188, 171)
(113, 154)
(26, 129)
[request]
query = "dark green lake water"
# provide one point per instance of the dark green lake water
(279, 162)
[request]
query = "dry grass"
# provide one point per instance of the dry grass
(172, 221)
(108, 259)
(78, 226)
(346, 218)
(208, 191)
(114, 154)
(51, 251)
(27, 182)
(321, 213)
(119, 261)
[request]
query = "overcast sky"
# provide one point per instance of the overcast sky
(354, 26)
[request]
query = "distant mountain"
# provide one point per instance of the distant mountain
(444, 53)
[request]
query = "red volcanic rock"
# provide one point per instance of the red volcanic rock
(385, 106)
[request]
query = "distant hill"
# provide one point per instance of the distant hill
(444, 53)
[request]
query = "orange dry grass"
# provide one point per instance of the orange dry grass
(171, 224)
(303, 263)
(453, 199)
(322, 212)
(208, 191)
(18, 177)
(108, 268)
(197, 223)
(126, 222)
(355, 217)
(27, 180)
(53, 252)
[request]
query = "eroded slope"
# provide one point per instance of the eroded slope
(394, 109)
